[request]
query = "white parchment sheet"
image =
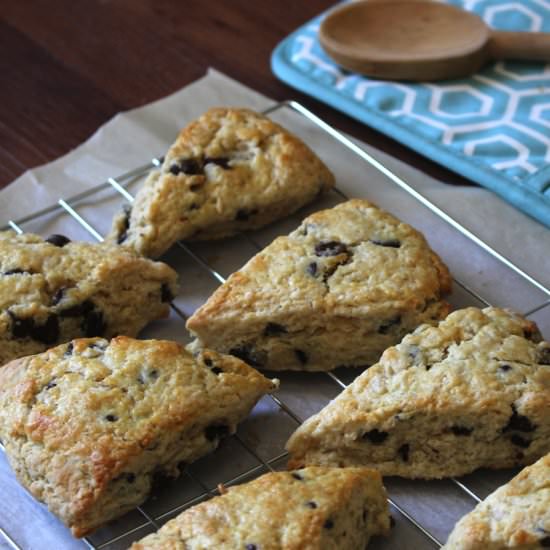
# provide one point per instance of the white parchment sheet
(132, 139)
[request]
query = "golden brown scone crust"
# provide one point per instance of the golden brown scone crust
(517, 515)
(472, 392)
(87, 424)
(229, 170)
(346, 284)
(50, 294)
(309, 509)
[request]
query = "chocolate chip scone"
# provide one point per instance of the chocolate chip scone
(86, 425)
(472, 392)
(310, 509)
(345, 285)
(54, 290)
(517, 515)
(229, 170)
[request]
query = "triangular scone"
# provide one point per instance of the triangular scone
(54, 290)
(229, 170)
(345, 285)
(309, 509)
(517, 515)
(87, 425)
(472, 392)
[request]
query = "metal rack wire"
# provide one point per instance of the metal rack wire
(145, 521)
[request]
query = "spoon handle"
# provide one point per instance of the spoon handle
(520, 45)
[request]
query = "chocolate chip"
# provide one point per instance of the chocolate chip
(301, 356)
(48, 333)
(210, 365)
(250, 547)
(69, 350)
(504, 368)
(391, 243)
(123, 235)
(93, 324)
(246, 354)
(445, 353)
(243, 214)
(518, 423)
(190, 167)
(297, 476)
(329, 524)
(111, 418)
(58, 296)
(545, 542)
(165, 293)
(78, 310)
(312, 269)
(520, 441)
(404, 452)
(461, 430)
(544, 356)
(20, 327)
(58, 240)
(385, 327)
(330, 248)
(218, 161)
(153, 374)
(274, 329)
(330, 270)
(375, 436)
(51, 384)
(16, 271)
(311, 504)
(216, 431)
(100, 345)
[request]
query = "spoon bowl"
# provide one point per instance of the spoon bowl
(420, 40)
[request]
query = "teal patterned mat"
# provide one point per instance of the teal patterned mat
(493, 128)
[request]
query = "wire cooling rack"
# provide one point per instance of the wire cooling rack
(424, 512)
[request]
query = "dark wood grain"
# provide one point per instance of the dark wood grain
(68, 66)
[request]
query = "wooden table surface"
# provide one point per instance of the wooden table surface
(68, 66)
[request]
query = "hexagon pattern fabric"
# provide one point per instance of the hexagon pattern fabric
(493, 127)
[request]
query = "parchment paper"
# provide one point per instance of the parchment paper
(131, 139)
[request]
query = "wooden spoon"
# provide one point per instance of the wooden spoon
(420, 40)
